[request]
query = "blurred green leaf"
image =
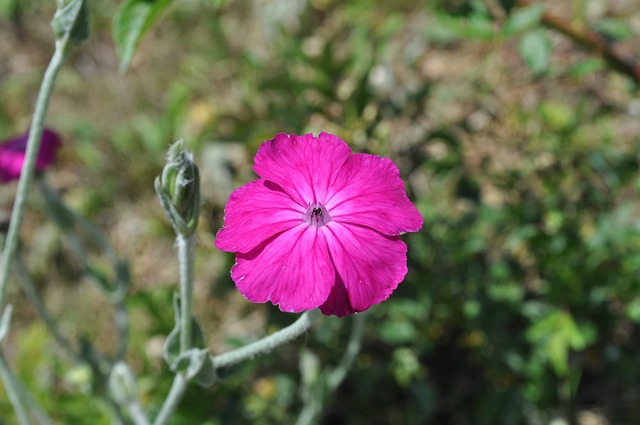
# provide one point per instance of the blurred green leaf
(535, 50)
(633, 310)
(617, 29)
(398, 331)
(586, 66)
(555, 335)
(558, 115)
(10, 8)
(405, 365)
(523, 19)
(448, 28)
(132, 19)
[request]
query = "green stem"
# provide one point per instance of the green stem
(33, 406)
(338, 374)
(249, 351)
(137, 414)
(268, 343)
(186, 258)
(70, 221)
(178, 387)
(49, 321)
(314, 395)
(67, 219)
(33, 146)
(121, 318)
(13, 392)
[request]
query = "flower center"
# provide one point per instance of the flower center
(316, 215)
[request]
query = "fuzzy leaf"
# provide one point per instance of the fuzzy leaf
(71, 21)
(171, 350)
(195, 364)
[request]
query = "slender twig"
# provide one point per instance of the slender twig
(337, 375)
(49, 321)
(34, 408)
(26, 176)
(136, 413)
(268, 343)
(592, 42)
(71, 217)
(13, 391)
(121, 318)
(315, 396)
(178, 387)
(70, 221)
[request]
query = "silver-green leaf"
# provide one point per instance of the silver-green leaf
(71, 22)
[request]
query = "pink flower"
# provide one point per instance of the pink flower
(320, 228)
(12, 153)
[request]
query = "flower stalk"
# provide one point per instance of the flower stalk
(268, 343)
(178, 387)
(26, 177)
(186, 259)
(13, 392)
(70, 25)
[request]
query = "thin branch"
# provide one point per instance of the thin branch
(268, 343)
(593, 42)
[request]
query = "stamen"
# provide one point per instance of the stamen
(316, 215)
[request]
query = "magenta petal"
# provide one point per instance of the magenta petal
(368, 191)
(254, 213)
(370, 266)
(292, 269)
(305, 166)
(48, 149)
(12, 154)
(338, 303)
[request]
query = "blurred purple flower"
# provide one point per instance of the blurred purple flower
(12, 153)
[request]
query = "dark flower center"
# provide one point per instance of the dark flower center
(316, 215)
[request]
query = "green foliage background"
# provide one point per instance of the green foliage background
(522, 301)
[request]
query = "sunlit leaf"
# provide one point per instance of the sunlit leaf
(130, 22)
(617, 29)
(523, 19)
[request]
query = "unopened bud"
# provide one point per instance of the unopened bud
(122, 384)
(179, 189)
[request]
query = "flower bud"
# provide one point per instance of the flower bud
(122, 384)
(179, 189)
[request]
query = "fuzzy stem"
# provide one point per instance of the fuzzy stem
(186, 258)
(264, 345)
(316, 396)
(49, 321)
(338, 374)
(268, 343)
(178, 387)
(13, 392)
(136, 413)
(26, 176)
